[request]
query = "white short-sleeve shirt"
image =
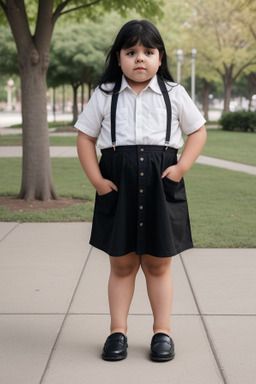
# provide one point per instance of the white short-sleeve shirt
(140, 119)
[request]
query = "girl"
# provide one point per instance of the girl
(137, 114)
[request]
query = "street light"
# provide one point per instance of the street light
(10, 84)
(180, 59)
(193, 80)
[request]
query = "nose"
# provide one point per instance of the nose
(140, 59)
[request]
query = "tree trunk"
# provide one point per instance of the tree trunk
(206, 92)
(227, 82)
(227, 96)
(82, 99)
(63, 98)
(75, 108)
(54, 103)
(37, 180)
(33, 60)
(251, 78)
(89, 90)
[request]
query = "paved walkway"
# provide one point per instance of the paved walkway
(54, 314)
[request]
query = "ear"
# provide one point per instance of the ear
(161, 55)
(118, 57)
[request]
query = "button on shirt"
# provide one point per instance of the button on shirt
(140, 119)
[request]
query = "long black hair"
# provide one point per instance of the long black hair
(128, 36)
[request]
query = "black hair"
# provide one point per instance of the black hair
(128, 36)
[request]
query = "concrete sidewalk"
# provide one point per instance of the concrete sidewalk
(69, 151)
(54, 314)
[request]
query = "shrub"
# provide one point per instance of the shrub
(239, 121)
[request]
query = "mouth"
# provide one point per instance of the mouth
(140, 69)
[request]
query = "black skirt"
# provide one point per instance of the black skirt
(148, 214)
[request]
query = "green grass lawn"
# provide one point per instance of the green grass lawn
(16, 140)
(222, 206)
(222, 203)
(69, 180)
(232, 146)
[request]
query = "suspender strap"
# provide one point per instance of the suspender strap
(113, 112)
(165, 93)
(168, 109)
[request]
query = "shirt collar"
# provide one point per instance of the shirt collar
(153, 84)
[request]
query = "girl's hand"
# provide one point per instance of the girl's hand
(173, 173)
(105, 187)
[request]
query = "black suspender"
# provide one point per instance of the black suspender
(113, 112)
(168, 109)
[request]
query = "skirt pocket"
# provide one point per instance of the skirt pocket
(107, 203)
(174, 191)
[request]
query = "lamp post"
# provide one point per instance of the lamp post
(10, 84)
(180, 59)
(193, 77)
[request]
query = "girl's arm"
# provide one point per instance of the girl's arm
(193, 147)
(88, 158)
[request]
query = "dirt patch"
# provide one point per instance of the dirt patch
(14, 204)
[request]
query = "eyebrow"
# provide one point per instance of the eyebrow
(133, 47)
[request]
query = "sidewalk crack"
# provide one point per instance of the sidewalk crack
(8, 233)
(65, 318)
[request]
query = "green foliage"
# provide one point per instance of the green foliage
(79, 9)
(146, 8)
(245, 86)
(78, 51)
(8, 52)
(239, 121)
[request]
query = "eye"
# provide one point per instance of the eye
(130, 53)
(149, 53)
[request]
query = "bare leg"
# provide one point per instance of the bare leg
(121, 288)
(160, 291)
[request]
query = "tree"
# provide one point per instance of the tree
(249, 8)
(32, 27)
(176, 37)
(8, 53)
(8, 60)
(245, 87)
(225, 38)
(78, 53)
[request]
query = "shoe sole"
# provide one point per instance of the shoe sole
(161, 359)
(114, 358)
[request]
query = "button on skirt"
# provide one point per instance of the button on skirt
(148, 214)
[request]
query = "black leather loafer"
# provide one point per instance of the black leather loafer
(162, 348)
(115, 347)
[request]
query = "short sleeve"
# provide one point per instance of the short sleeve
(190, 117)
(89, 122)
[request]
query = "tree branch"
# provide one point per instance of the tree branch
(3, 5)
(251, 62)
(253, 32)
(81, 6)
(17, 18)
(58, 10)
(44, 25)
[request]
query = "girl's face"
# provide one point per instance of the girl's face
(139, 64)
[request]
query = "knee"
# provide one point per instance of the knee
(155, 268)
(124, 269)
